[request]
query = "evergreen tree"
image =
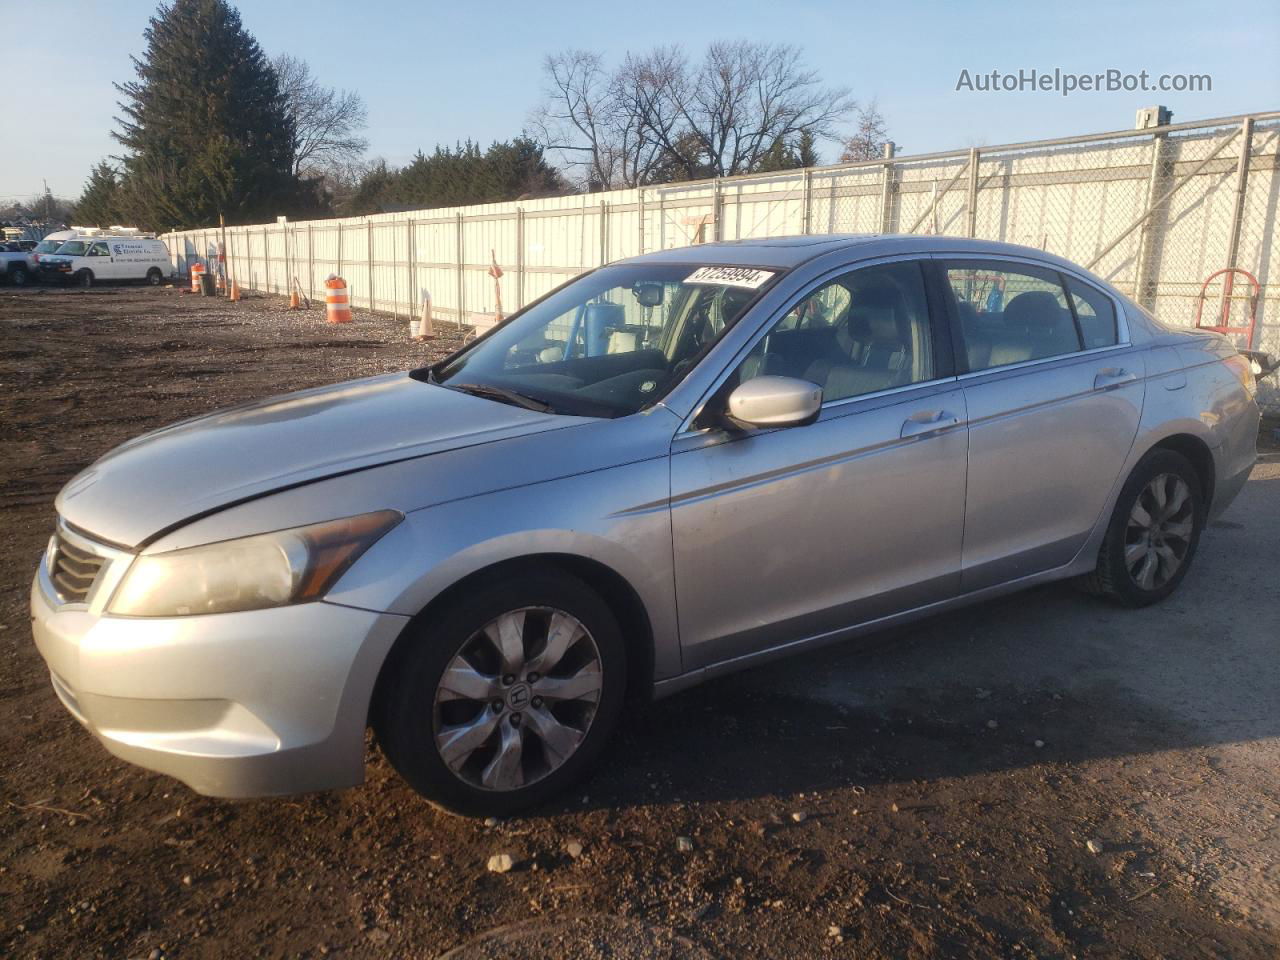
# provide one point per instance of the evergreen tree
(789, 155)
(99, 205)
(459, 176)
(206, 124)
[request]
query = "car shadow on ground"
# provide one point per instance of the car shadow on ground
(1048, 675)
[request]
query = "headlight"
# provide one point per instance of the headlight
(269, 570)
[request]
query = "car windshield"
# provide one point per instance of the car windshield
(48, 246)
(73, 248)
(610, 343)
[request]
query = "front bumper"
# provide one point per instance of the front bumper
(234, 705)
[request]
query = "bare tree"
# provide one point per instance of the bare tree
(659, 118)
(871, 135)
(578, 118)
(326, 122)
(747, 96)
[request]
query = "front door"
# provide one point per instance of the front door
(786, 534)
(98, 259)
(1054, 399)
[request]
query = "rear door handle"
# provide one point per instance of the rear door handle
(928, 421)
(1112, 377)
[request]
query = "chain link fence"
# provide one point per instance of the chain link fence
(1161, 213)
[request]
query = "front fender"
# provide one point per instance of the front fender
(618, 517)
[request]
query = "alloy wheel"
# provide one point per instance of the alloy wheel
(1159, 531)
(517, 700)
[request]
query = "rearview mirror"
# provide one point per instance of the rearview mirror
(648, 294)
(775, 402)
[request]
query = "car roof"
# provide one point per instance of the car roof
(783, 253)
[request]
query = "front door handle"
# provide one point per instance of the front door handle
(1112, 377)
(928, 421)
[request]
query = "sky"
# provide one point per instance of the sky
(441, 72)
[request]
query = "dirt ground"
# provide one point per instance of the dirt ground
(926, 793)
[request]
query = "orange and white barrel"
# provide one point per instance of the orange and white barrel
(197, 271)
(337, 302)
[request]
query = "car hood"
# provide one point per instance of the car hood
(159, 480)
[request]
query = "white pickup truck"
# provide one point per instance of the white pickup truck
(17, 265)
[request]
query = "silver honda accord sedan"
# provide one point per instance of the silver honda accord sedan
(669, 468)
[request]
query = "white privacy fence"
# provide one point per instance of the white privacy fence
(1154, 211)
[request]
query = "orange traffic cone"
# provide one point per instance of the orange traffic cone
(294, 302)
(235, 291)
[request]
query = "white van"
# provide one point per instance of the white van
(85, 259)
(50, 244)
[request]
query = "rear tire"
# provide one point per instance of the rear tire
(1153, 534)
(482, 727)
(83, 278)
(154, 277)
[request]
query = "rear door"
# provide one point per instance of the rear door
(1054, 393)
(786, 534)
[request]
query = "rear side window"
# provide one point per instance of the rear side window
(1011, 314)
(1096, 313)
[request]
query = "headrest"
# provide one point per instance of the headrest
(1033, 308)
(881, 324)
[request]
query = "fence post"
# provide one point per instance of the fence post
(461, 264)
(716, 231)
(1144, 284)
(806, 213)
(971, 213)
(311, 272)
(886, 197)
(395, 278)
(409, 271)
(640, 221)
(519, 258)
(266, 262)
(604, 232)
(1242, 184)
(368, 242)
(339, 270)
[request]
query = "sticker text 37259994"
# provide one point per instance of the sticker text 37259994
(749, 277)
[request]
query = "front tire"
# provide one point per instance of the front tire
(18, 277)
(1153, 534)
(83, 278)
(505, 697)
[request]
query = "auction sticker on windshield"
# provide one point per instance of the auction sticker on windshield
(748, 277)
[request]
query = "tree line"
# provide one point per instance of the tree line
(212, 127)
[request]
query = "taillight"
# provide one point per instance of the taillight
(1242, 367)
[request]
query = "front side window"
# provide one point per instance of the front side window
(865, 331)
(99, 250)
(610, 343)
(1011, 314)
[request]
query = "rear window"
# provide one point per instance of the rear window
(1096, 313)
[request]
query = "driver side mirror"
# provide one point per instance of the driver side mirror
(775, 402)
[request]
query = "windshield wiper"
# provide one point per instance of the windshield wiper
(502, 395)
